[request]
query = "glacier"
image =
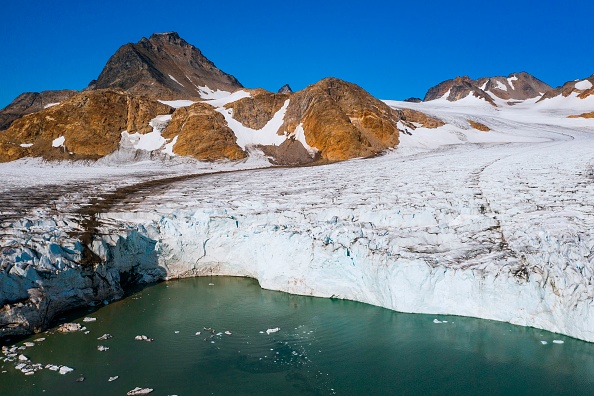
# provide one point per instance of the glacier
(496, 225)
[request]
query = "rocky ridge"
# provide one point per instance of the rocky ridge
(582, 88)
(515, 87)
(87, 126)
(31, 102)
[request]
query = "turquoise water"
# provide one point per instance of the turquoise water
(323, 347)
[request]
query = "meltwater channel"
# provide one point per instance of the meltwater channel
(259, 342)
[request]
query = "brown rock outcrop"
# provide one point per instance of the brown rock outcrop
(568, 88)
(254, 112)
(202, 133)
(163, 66)
(31, 102)
(583, 115)
(478, 126)
(342, 120)
(414, 116)
(91, 123)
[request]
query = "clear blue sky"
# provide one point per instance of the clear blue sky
(394, 49)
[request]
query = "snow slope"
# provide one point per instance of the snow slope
(497, 225)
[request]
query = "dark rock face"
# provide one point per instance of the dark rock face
(31, 102)
(164, 66)
(413, 100)
(516, 86)
(285, 89)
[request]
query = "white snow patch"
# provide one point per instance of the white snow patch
(168, 149)
(251, 137)
(221, 101)
(501, 85)
(173, 78)
(484, 85)
(176, 104)
(51, 105)
(26, 145)
(299, 135)
(583, 85)
(511, 80)
(153, 140)
(207, 93)
(59, 142)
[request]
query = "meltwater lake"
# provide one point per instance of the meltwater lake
(260, 342)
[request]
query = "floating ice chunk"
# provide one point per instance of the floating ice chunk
(197, 333)
(52, 367)
(274, 330)
(29, 344)
(558, 341)
(437, 321)
(211, 284)
(139, 391)
(228, 332)
(23, 358)
(70, 327)
(544, 342)
(111, 379)
(39, 339)
(104, 337)
(102, 348)
(143, 338)
(65, 369)
(89, 319)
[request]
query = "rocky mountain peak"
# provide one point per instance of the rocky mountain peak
(515, 87)
(285, 89)
(164, 66)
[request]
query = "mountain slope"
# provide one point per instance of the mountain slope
(31, 102)
(89, 125)
(163, 66)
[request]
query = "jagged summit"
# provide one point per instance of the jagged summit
(515, 87)
(163, 66)
(285, 89)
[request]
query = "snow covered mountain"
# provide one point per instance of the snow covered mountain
(510, 89)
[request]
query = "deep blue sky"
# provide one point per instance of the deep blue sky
(394, 49)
